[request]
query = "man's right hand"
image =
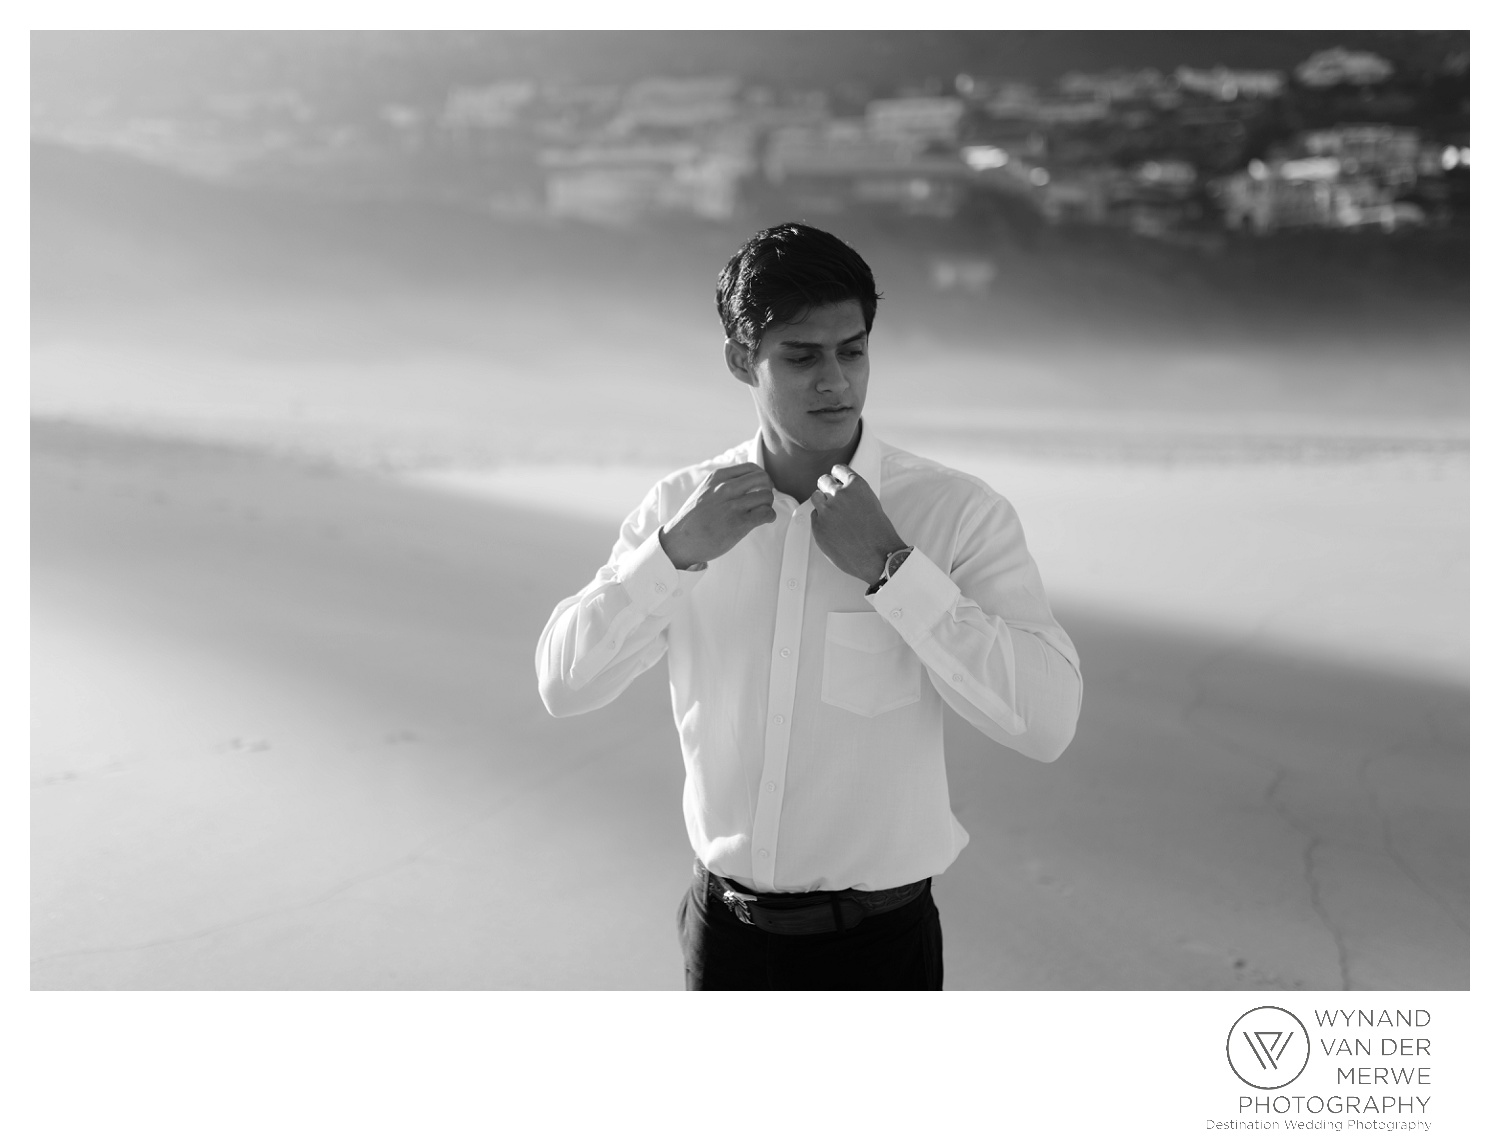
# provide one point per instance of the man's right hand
(726, 507)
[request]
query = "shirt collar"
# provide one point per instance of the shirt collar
(867, 457)
(866, 460)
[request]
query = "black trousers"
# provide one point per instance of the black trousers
(896, 950)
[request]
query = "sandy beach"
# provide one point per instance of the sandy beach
(286, 733)
(308, 476)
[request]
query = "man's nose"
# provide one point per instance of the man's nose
(831, 377)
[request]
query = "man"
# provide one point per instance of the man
(820, 596)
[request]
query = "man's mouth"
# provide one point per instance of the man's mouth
(833, 411)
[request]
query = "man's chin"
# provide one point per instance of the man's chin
(830, 434)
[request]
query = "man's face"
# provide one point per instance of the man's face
(809, 378)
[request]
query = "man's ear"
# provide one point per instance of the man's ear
(737, 357)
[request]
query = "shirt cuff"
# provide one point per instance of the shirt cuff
(915, 597)
(649, 577)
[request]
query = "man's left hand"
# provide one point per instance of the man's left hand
(851, 526)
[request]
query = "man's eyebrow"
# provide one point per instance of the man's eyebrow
(859, 336)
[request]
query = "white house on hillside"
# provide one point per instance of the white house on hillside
(1226, 83)
(1339, 65)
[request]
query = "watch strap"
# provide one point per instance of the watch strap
(893, 563)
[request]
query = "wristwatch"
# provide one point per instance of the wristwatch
(893, 563)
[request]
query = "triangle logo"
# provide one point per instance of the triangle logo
(1268, 1047)
(1273, 1044)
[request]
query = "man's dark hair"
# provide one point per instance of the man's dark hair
(784, 271)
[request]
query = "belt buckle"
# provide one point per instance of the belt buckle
(739, 903)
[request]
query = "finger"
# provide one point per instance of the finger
(755, 499)
(755, 517)
(818, 500)
(828, 485)
(734, 474)
(754, 494)
(732, 470)
(744, 484)
(844, 474)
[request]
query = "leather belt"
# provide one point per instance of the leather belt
(806, 913)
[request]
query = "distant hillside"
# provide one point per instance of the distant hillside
(368, 68)
(112, 234)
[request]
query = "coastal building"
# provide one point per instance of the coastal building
(677, 104)
(764, 112)
(1155, 199)
(621, 182)
(1315, 191)
(1082, 195)
(1062, 110)
(1262, 202)
(1012, 139)
(1116, 86)
(1390, 153)
(488, 108)
(834, 148)
(1339, 65)
(1226, 84)
(566, 113)
(837, 164)
(922, 119)
(1211, 132)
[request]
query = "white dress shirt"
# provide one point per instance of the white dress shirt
(811, 713)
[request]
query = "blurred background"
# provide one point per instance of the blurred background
(351, 349)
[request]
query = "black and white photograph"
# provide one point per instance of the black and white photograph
(756, 510)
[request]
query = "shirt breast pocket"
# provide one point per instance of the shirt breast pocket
(868, 668)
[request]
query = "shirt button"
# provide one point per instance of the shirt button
(785, 652)
(779, 719)
(958, 677)
(763, 854)
(770, 786)
(791, 584)
(661, 588)
(896, 613)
